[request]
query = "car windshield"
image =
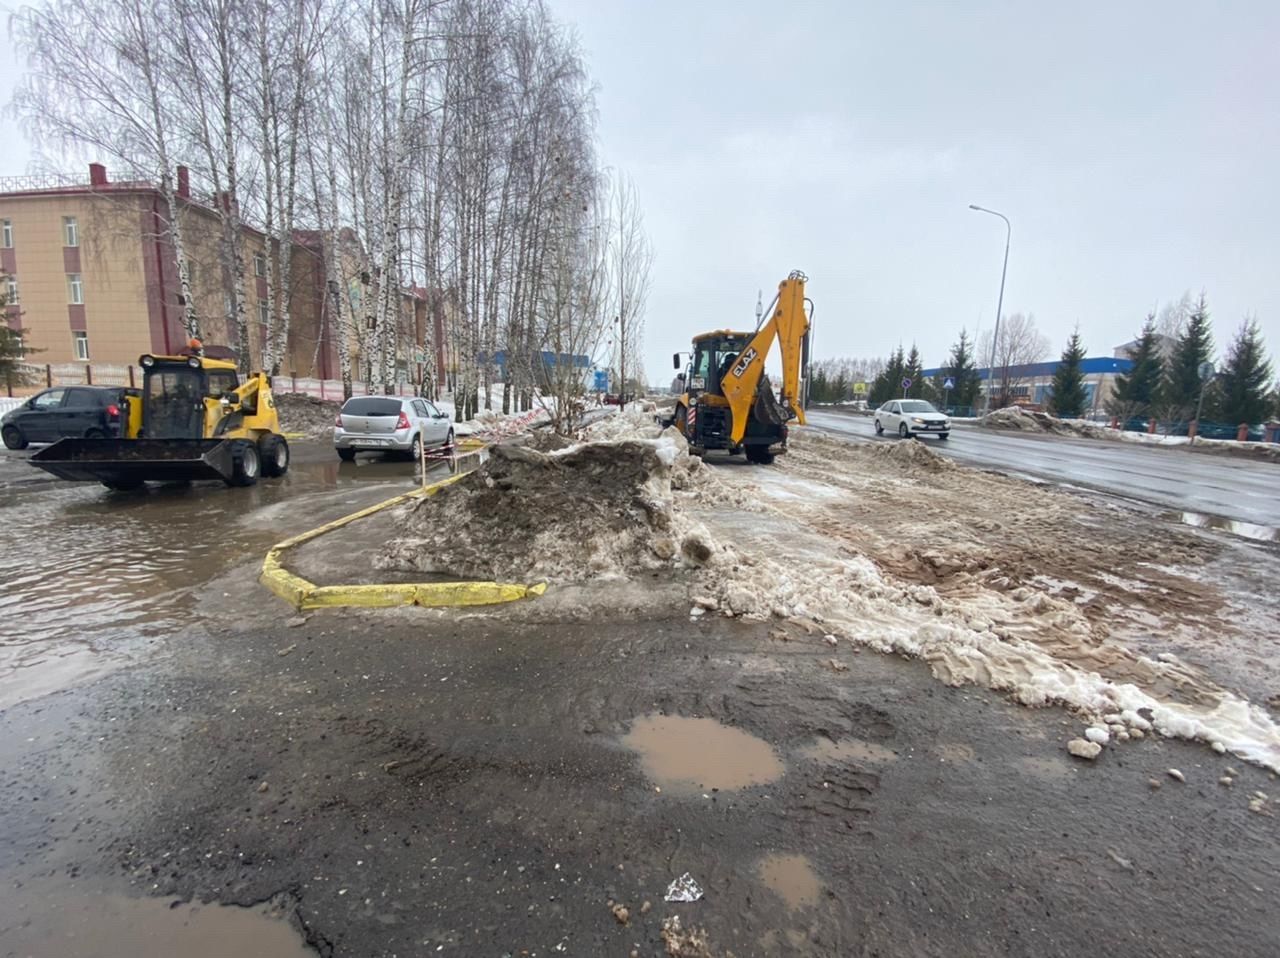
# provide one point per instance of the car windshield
(917, 405)
(371, 406)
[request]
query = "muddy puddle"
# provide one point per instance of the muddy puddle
(1246, 530)
(92, 578)
(64, 922)
(791, 878)
(693, 756)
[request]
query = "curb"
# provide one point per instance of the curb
(304, 595)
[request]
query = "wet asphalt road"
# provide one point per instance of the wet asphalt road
(409, 782)
(1172, 478)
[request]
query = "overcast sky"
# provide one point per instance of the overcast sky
(1135, 146)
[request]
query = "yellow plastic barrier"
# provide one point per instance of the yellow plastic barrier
(304, 595)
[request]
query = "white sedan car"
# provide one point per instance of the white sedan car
(911, 417)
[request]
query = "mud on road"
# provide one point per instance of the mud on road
(524, 780)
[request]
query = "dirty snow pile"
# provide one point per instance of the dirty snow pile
(305, 414)
(595, 509)
(1018, 419)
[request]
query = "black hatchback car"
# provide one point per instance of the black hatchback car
(90, 412)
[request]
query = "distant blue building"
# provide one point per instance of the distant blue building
(1032, 383)
(551, 362)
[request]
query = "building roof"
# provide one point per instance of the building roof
(548, 359)
(1093, 365)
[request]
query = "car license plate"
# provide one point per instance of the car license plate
(367, 442)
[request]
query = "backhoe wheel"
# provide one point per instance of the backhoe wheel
(903, 431)
(759, 454)
(246, 464)
(347, 455)
(274, 452)
(13, 438)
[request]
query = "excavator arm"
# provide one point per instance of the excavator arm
(789, 325)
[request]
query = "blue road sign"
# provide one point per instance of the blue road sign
(949, 383)
(906, 383)
(602, 380)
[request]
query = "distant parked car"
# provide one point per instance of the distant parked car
(911, 417)
(66, 412)
(389, 424)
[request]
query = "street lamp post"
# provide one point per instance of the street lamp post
(995, 338)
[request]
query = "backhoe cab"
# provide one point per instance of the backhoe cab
(727, 400)
(195, 419)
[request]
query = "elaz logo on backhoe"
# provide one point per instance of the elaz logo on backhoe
(741, 366)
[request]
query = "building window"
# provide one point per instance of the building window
(70, 231)
(259, 265)
(75, 290)
(6, 234)
(81, 343)
(264, 314)
(11, 297)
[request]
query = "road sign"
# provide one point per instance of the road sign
(906, 383)
(859, 389)
(949, 383)
(602, 381)
(1206, 370)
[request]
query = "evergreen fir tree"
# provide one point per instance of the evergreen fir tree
(1245, 379)
(914, 371)
(1181, 385)
(889, 383)
(962, 368)
(1135, 391)
(1068, 398)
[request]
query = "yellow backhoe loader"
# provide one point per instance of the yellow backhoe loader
(195, 419)
(727, 400)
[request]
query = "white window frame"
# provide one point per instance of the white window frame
(259, 265)
(6, 234)
(70, 231)
(264, 313)
(80, 345)
(12, 298)
(75, 289)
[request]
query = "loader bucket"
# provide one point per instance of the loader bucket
(128, 462)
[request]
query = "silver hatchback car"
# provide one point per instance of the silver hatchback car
(389, 424)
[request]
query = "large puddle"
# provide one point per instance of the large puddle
(56, 922)
(91, 578)
(692, 756)
(791, 878)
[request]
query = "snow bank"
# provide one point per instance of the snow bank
(1022, 420)
(597, 509)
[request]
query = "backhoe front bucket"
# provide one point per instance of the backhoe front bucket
(126, 462)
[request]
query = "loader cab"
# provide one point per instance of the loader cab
(713, 357)
(174, 391)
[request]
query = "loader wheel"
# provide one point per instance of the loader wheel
(347, 455)
(13, 438)
(246, 464)
(274, 452)
(759, 454)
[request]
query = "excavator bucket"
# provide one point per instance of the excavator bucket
(126, 463)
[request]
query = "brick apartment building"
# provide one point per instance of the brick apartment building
(90, 274)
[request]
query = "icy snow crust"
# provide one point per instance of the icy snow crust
(630, 498)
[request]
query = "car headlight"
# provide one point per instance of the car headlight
(917, 419)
